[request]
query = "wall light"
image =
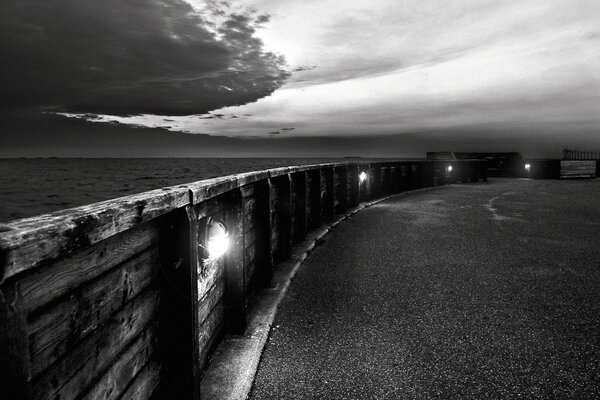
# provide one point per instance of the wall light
(362, 177)
(213, 238)
(449, 168)
(527, 167)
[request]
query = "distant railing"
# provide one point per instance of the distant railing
(575, 154)
(121, 299)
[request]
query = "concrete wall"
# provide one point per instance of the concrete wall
(112, 300)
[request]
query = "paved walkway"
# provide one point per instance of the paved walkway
(462, 292)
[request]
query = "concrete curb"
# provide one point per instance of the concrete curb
(234, 364)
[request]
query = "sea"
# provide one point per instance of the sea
(34, 186)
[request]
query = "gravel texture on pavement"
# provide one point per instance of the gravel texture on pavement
(463, 292)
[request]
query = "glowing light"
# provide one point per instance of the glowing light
(213, 239)
(449, 168)
(527, 167)
(362, 177)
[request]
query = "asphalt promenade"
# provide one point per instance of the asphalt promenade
(462, 292)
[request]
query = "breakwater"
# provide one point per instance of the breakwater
(123, 298)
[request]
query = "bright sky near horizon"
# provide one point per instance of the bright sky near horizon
(288, 68)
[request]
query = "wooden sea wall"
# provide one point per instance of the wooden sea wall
(112, 301)
(577, 169)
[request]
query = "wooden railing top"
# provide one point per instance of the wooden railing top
(31, 242)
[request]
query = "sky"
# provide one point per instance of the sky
(298, 78)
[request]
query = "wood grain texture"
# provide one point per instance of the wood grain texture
(209, 331)
(235, 294)
(60, 327)
(144, 383)
(37, 241)
(119, 376)
(214, 272)
(210, 301)
(15, 365)
(71, 374)
(48, 283)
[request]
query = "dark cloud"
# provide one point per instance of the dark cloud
(262, 19)
(129, 57)
(304, 68)
(280, 131)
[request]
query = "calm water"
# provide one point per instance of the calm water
(30, 187)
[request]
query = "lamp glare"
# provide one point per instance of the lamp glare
(362, 177)
(217, 241)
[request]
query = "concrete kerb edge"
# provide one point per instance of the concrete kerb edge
(235, 362)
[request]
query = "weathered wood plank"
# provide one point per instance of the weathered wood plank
(144, 383)
(210, 301)
(15, 365)
(36, 241)
(314, 196)
(234, 295)
(261, 221)
(327, 194)
(214, 273)
(48, 283)
(58, 328)
(299, 199)
(209, 331)
(123, 371)
(66, 378)
(209, 188)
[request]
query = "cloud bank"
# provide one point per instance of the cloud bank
(129, 57)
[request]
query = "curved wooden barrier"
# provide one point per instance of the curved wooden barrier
(111, 300)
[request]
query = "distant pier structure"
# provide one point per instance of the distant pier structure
(575, 164)
(499, 164)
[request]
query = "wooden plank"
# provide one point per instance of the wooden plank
(281, 230)
(210, 188)
(37, 241)
(299, 199)
(374, 181)
(214, 273)
(66, 378)
(210, 301)
(209, 331)
(327, 194)
(46, 284)
(235, 296)
(262, 234)
(577, 169)
(314, 195)
(15, 365)
(125, 368)
(341, 189)
(197, 270)
(274, 221)
(55, 330)
(353, 186)
(144, 383)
